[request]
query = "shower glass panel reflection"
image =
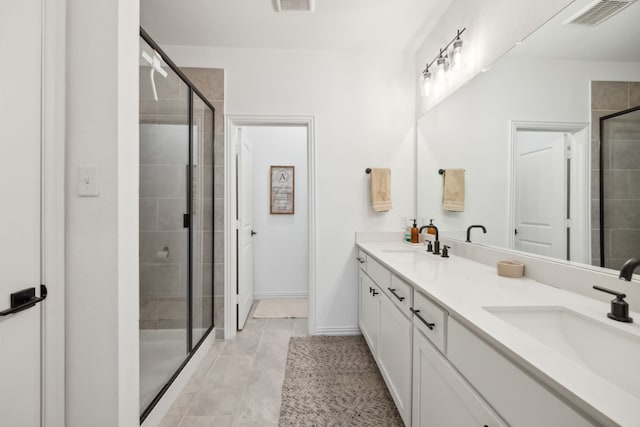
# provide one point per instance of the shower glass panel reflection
(202, 218)
(620, 187)
(176, 221)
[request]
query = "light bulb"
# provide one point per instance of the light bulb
(457, 62)
(427, 81)
(441, 68)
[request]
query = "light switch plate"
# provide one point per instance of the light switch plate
(88, 181)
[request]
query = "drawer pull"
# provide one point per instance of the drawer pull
(374, 293)
(429, 325)
(361, 260)
(393, 291)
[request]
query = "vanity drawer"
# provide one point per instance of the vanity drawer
(430, 319)
(362, 259)
(401, 293)
(378, 273)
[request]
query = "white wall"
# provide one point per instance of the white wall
(101, 232)
(471, 130)
(280, 254)
(363, 104)
(493, 27)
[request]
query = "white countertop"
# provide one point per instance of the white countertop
(463, 287)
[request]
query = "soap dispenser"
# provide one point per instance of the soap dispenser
(415, 232)
(431, 230)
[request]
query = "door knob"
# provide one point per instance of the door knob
(253, 233)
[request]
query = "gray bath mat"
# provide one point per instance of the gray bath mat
(334, 381)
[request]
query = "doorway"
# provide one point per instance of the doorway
(269, 142)
(549, 183)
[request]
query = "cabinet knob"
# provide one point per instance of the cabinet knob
(375, 292)
(360, 260)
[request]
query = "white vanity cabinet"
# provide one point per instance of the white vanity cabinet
(369, 310)
(394, 355)
(388, 329)
(519, 399)
(441, 397)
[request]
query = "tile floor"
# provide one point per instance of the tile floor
(239, 382)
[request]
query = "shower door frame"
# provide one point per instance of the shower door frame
(191, 348)
(601, 173)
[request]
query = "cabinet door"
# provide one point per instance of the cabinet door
(368, 313)
(441, 397)
(394, 355)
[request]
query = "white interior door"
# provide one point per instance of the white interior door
(20, 216)
(541, 193)
(245, 229)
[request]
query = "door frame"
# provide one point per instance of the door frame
(581, 159)
(232, 123)
(53, 117)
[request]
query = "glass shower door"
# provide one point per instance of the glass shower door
(164, 238)
(620, 187)
(202, 219)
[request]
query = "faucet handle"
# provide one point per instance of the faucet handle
(619, 307)
(429, 246)
(445, 251)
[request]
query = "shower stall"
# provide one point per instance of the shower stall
(619, 187)
(176, 221)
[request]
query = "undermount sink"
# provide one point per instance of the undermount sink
(605, 350)
(417, 254)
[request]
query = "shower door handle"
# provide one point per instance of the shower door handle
(186, 220)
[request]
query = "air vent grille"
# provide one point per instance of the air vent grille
(598, 12)
(294, 5)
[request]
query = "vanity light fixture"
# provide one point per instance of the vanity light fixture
(441, 67)
(457, 62)
(442, 63)
(427, 82)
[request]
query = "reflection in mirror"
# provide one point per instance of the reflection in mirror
(619, 188)
(527, 133)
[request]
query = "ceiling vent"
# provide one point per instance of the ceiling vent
(294, 5)
(598, 12)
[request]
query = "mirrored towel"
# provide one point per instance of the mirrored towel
(453, 191)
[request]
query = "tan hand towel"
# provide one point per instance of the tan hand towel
(453, 191)
(381, 189)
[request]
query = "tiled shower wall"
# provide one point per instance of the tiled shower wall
(621, 173)
(210, 82)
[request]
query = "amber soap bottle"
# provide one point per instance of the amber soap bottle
(415, 233)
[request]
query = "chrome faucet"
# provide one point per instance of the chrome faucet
(436, 243)
(484, 230)
(627, 269)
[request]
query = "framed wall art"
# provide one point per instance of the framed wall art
(282, 190)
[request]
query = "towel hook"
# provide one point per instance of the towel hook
(368, 170)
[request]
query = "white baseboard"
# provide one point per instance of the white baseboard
(271, 295)
(165, 402)
(338, 330)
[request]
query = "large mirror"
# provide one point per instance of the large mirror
(527, 133)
